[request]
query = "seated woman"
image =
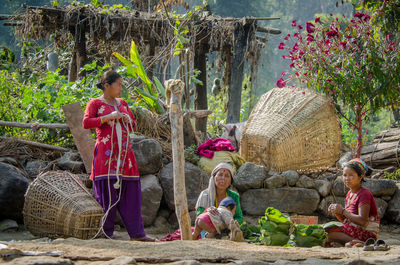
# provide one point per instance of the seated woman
(360, 215)
(218, 189)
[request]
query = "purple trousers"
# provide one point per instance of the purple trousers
(129, 205)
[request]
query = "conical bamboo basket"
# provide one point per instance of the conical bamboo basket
(292, 129)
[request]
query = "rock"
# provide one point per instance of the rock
(13, 185)
(41, 260)
(71, 161)
(324, 187)
(249, 176)
(344, 159)
(151, 198)
(138, 138)
(305, 182)
(34, 168)
(7, 225)
(291, 176)
(381, 205)
(249, 262)
(273, 172)
(196, 180)
(380, 187)
(386, 198)
(161, 223)
(339, 188)
(290, 200)
(192, 215)
(148, 153)
(121, 260)
(173, 220)
(276, 181)
(324, 204)
(393, 209)
(164, 212)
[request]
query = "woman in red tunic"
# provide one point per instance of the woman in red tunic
(360, 214)
(114, 170)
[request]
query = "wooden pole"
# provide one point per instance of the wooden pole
(36, 144)
(174, 89)
(34, 126)
(200, 90)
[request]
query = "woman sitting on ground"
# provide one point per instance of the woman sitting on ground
(218, 189)
(360, 215)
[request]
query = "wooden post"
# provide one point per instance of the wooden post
(200, 91)
(83, 138)
(79, 56)
(235, 87)
(174, 89)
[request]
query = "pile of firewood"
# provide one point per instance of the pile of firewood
(384, 151)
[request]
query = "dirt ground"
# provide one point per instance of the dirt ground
(121, 251)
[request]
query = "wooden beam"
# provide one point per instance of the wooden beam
(83, 138)
(34, 126)
(200, 90)
(241, 34)
(197, 114)
(175, 88)
(36, 144)
(269, 30)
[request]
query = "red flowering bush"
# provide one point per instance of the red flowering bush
(349, 61)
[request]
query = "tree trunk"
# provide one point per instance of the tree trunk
(79, 55)
(359, 131)
(235, 85)
(200, 91)
(176, 116)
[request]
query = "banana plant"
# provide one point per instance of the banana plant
(150, 92)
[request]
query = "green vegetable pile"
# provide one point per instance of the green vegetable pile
(276, 229)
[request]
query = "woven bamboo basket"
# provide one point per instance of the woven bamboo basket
(292, 129)
(58, 205)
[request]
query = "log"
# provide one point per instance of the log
(36, 144)
(83, 138)
(386, 139)
(387, 133)
(378, 147)
(174, 90)
(379, 155)
(34, 126)
(197, 114)
(269, 30)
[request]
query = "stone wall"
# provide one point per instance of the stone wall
(287, 191)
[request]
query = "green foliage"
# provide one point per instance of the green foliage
(191, 154)
(393, 176)
(7, 59)
(135, 69)
(309, 235)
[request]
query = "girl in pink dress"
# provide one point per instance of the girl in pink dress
(115, 173)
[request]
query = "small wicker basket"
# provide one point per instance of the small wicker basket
(58, 205)
(292, 129)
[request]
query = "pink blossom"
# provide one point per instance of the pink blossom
(291, 65)
(280, 83)
(281, 46)
(297, 74)
(295, 47)
(296, 34)
(332, 33)
(310, 27)
(294, 23)
(285, 57)
(287, 37)
(299, 27)
(317, 20)
(366, 132)
(310, 38)
(363, 112)
(303, 92)
(387, 38)
(343, 44)
(330, 14)
(283, 73)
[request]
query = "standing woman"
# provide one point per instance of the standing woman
(115, 174)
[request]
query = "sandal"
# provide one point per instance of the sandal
(145, 239)
(369, 244)
(354, 243)
(380, 245)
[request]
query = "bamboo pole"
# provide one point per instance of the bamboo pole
(174, 89)
(34, 126)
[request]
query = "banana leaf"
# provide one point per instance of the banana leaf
(309, 235)
(135, 58)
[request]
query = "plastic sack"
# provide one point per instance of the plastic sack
(232, 158)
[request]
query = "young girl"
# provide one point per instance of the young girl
(115, 172)
(214, 223)
(360, 215)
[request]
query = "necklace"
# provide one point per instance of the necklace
(352, 197)
(112, 101)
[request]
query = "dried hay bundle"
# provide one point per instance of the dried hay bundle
(58, 204)
(290, 129)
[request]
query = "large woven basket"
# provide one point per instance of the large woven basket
(58, 205)
(292, 129)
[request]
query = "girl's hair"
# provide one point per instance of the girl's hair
(108, 77)
(359, 166)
